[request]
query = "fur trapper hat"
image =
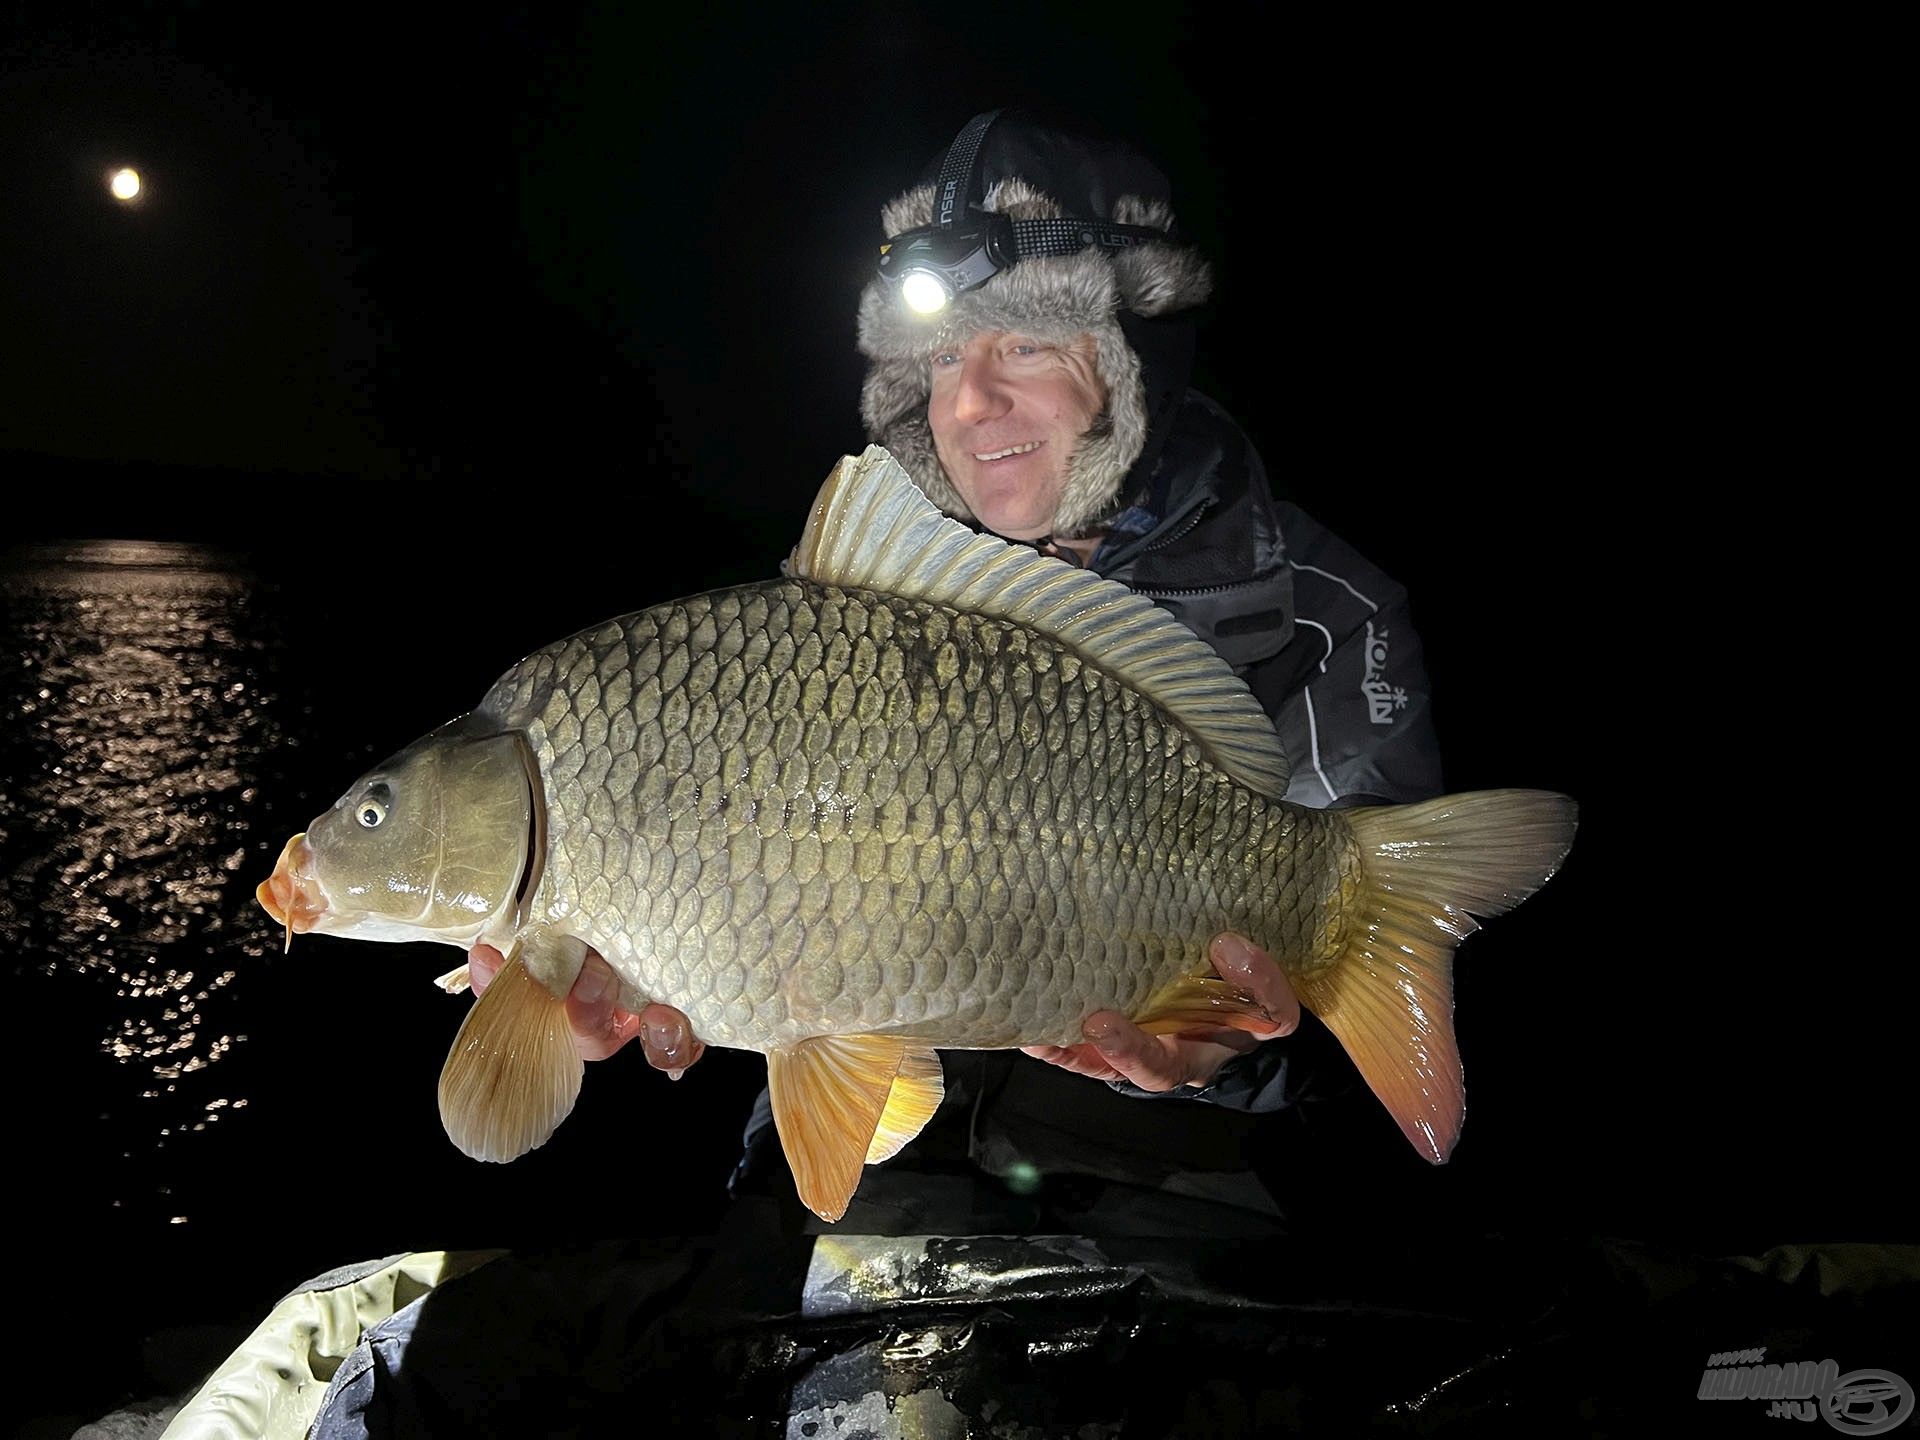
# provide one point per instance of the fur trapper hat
(1054, 299)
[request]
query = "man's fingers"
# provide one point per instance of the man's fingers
(1080, 1059)
(668, 1040)
(1134, 1053)
(1245, 964)
(1117, 1049)
(598, 1027)
(483, 963)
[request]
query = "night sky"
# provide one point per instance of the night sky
(575, 251)
(547, 313)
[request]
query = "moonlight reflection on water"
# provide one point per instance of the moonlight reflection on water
(141, 725)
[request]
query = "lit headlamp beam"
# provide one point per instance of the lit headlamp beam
(923, 293)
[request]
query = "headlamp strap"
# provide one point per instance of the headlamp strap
(1068, 236)
(953, 191)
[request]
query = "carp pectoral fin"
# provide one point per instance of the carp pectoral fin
(513, 1073)
(917, 1091)
(828, 1095)
(1203, 1002)
(455, 982)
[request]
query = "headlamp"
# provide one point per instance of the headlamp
(965, 246)
(934, 263)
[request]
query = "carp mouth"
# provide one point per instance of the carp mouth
(291, 895)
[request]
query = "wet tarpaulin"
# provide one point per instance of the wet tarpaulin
(754, 1332)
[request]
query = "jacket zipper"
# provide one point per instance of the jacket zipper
(1196, 590)
(1194, 518)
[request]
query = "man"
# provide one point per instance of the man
(1043, 396)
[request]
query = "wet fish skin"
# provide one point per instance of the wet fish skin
(794, 810)
(928, 791)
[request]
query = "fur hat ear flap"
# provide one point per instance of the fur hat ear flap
(1107, 451)
(1157, 279)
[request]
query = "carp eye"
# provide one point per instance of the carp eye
(372, 808)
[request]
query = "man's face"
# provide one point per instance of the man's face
(1007, 412)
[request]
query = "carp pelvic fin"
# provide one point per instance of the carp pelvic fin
(1427, 869)
(917, 1092)
(828, 1096)
(513, 1072)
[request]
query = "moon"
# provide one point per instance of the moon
(125, 183)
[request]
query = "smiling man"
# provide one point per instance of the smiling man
(1045, 398)
(1029, 338)
(1007, 413)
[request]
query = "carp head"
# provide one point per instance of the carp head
(441, 842)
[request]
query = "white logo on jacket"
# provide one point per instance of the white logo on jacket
(1382, 699)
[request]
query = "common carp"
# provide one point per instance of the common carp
(928, 789)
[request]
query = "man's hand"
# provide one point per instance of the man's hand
(599, 1026)
(1117, 1049)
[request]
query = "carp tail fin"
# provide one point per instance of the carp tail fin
(1426, 870)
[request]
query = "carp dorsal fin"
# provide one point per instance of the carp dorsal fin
(870, 528)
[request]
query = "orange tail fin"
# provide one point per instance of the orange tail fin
(1429, 869)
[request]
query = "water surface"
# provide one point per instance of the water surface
(202, 1120)
(143, 744)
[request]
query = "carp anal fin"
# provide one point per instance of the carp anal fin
(1203, 1002)
(917, 1091)
(828, 1095)
(1427, 870)
(513, 1072)
(870, 528)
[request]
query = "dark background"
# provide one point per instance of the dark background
(615, 258)
(472, 332)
